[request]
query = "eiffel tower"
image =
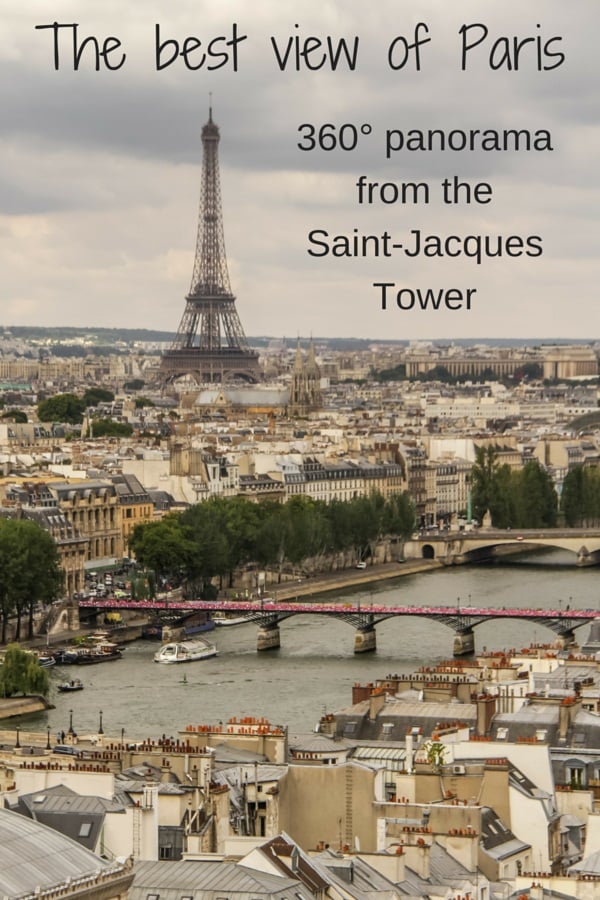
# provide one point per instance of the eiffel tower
(210, 345)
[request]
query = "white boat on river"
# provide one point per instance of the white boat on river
(185, 651)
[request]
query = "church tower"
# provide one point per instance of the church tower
(305, 390)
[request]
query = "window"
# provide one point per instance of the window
(85, 829)
(575, 776)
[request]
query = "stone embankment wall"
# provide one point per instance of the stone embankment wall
(22, 706)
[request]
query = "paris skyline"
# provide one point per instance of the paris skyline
(101, 171)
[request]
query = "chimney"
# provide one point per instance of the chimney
(416, 855)
(563, 722)
(486, 709)
(423, 861)
(400, 861)
(377, 701)
(410, 752)
(148, 795)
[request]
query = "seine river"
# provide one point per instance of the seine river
(315, 668)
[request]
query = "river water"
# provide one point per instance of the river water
(315, 668)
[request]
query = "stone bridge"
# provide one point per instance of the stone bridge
(457, 547)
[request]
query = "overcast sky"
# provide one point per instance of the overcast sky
(100, 171)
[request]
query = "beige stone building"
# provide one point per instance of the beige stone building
(94, 511)
(135, 504)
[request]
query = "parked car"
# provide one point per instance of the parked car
(361, 565)
(66, 750)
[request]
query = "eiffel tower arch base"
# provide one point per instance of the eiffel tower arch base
(211, 368)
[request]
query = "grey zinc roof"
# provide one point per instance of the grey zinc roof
(589, 865)
(400, 715)
(229, 754)
(317, 743)
(125, 786)
(356, 875)
(242, 773)
(201, 879)
(444, 869)
(75, 816)
(67, 801)
(32, 856)
(497, 839)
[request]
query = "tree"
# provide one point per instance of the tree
(365, 523)
(16, 414)
(399, 515)
(108, 428)
(572, 499)
(435, 751)
(29, 571)
(482, 480)
(503, 497)
(536, 503)
(164, 547)
(62, 408)
(21, 673)
(141, 402)
(580, 497)
(94, 396)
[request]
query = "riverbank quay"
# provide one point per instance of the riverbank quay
(350, 579)
(22, 706)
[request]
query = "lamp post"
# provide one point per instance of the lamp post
(17, 742)
(71, 722)
(48, 747)
(100, 730)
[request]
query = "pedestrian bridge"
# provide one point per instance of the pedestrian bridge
(268, 614)
(456, 547)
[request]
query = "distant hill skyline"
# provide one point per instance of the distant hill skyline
(105, 335)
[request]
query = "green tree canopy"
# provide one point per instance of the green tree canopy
(483, 474)
(108, 428)
(62, 408)
(95, 395)
(29, 571)
(580, 497)
(213, 538)
(517, 498)
(141, 402)
(17, 414)
(21, 673)
(165, 547)
(536, 503)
